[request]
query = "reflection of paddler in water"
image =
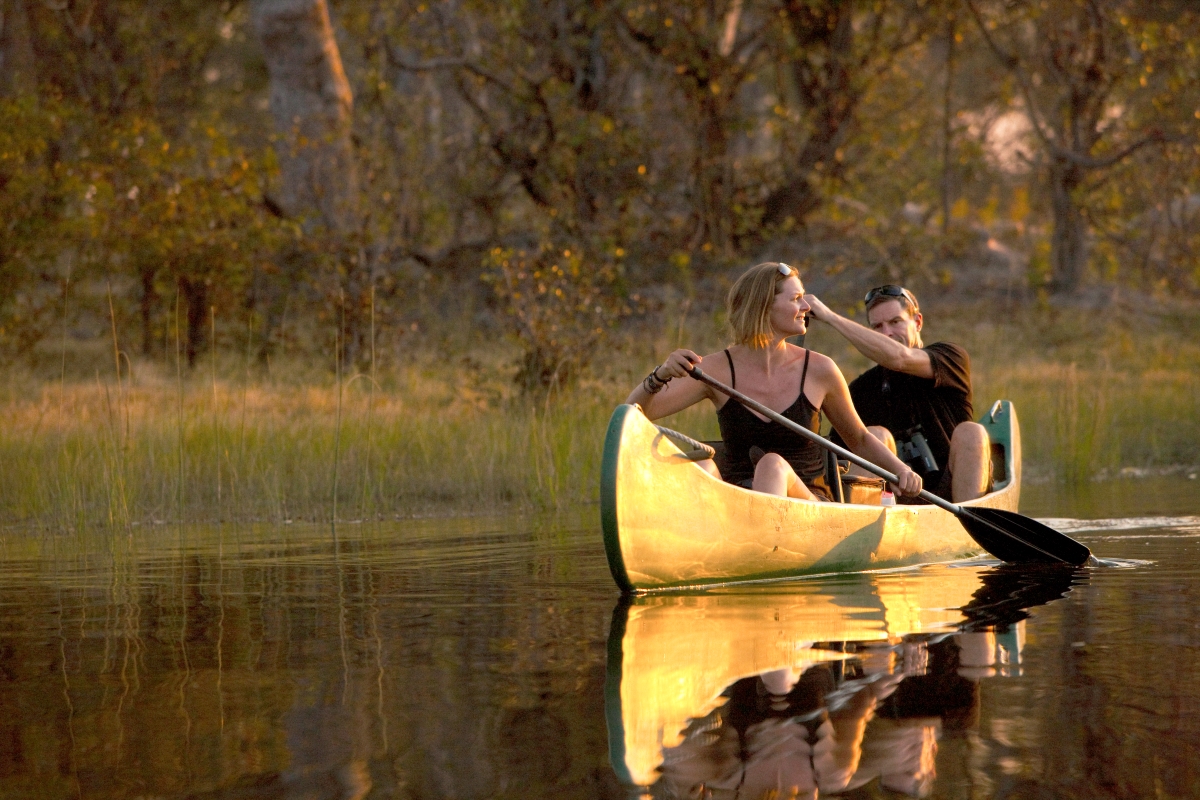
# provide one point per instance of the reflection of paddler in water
(872, 712)
(834, 728)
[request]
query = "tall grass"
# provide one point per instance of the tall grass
(221, 450)
(1082, 424)
(144, 443)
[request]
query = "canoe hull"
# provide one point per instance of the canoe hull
(668, 523)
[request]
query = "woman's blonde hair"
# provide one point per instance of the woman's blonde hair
(749, 302)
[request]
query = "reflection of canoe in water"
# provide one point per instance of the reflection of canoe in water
(672, 658)
(669, 523)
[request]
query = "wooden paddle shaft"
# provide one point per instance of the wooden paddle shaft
(701, 376)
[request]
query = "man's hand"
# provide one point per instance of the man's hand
(883, 350)
(820, 311)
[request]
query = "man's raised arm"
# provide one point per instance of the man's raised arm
(881, 348)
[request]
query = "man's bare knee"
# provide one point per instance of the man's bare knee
(970, 461)
(709, 466)
(969, 438)
(884, 435)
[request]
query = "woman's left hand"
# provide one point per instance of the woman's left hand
(910, 484)
(677, 364)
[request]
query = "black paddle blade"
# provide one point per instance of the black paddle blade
(1015, 538)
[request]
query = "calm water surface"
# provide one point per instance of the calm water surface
(493, 658)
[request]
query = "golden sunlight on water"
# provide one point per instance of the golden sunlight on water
(493, 657)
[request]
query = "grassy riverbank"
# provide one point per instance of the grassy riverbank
(430, 438)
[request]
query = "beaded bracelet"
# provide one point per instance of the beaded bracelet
(654, 384)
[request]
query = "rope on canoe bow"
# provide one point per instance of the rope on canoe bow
(699, 450)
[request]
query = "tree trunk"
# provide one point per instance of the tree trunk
(713, 175)
(146, 306)
(17, 65)
(828, 98)
(947, 125)
(313, 107)
(195, 299)
(1068, 242)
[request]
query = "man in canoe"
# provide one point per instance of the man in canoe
(765, 306)
(916, 394)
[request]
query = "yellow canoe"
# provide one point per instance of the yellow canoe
(668, 523)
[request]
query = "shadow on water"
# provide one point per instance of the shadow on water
(808, 688)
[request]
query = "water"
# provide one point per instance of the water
(493, 658)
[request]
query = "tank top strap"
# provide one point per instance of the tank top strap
(803, 374)
(733, 372)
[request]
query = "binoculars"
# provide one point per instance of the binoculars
(914, 451)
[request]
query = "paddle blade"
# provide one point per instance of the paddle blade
(1015, 538)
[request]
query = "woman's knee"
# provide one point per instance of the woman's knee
(774, 475)
(771, 464)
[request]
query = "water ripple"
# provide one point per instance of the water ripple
(1067, 525)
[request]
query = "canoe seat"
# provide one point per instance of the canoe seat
(861, 490)
(999, 464)
(833, 476)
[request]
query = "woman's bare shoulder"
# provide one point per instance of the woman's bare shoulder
(823, 364)
(716, 365)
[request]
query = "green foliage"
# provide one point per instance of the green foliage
(560, 304)
(45, 213)
(121, 202)
(865, 137)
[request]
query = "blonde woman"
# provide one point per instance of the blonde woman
(766, 305)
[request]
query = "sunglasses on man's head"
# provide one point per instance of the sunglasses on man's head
(890, 290)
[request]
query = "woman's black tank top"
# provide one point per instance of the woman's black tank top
(742, 430)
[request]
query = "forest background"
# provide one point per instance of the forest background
(291, 258)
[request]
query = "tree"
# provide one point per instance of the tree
(1080, 67)
(709, 53)
(18, 66)
(538, 81)
(109, 119)
(831, 52)
(313, 109)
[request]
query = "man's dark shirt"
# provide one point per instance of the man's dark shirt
(899, 401)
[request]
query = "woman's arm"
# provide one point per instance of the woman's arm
(840, 410)
(681, 391)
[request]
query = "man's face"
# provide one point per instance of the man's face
(894, 321)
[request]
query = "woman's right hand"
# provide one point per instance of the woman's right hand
(910, 482)
(677, 364)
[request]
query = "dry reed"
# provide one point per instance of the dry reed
(144, 443)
